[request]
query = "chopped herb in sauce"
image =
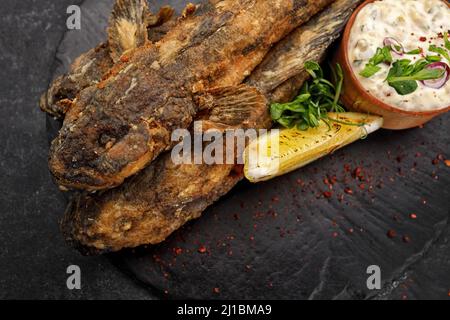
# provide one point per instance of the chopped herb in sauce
(403, 75)
(383, 55)
(446, 41)
(431, 58)
(415, 51)
(443, 52)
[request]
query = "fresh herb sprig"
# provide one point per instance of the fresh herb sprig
(403, 75)
(383, 55)
(414, 52)
(433, 58)
(446, 41)
(442, 51)
(317, 97)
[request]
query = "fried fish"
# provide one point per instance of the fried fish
(131, 25)
(147, 208)
(284, 67)
(116, 128)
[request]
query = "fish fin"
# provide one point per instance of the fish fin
(189, 10)
(128, 26)
(159, 25)
(309, 42)
(165, 14)
(238, 107)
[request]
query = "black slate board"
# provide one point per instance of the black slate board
(289, 239)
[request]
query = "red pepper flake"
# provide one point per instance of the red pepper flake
(357, 173)
(351, 230)
(272, 213)
(237, 170)
(216, 290)
(423, 39)
(406, 239)
(348, 191)
(418, 155)
(391, 234)
(202, 249)
(178, 251)
(327, 194)
(335, 234)
(330, 181)
(413, 216)
(435, 161)
(252, 238)
(275, 199)
(362, 186)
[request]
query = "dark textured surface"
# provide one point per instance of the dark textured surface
(33, 256)
(280, 239)
(284, 239)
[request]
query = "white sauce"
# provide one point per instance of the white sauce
(409, 22)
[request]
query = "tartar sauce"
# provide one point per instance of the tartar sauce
(413, 23)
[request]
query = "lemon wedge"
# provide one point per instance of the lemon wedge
(285, 150)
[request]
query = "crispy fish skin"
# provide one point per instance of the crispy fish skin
(283, 67)
(159, 200)
(90, 68)
(147, 208)
(128, 120)
(85, 71)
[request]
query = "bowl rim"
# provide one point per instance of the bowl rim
(357, 83)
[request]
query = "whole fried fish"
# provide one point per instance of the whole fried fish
(118, 127)
(308, 43)
(147, 208)
(131, 25)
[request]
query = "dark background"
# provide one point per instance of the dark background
(303, 247)
(33, 256)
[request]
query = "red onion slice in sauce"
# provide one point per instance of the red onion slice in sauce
(438, 83)
(395, 45)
